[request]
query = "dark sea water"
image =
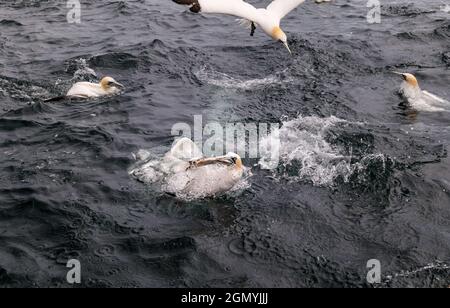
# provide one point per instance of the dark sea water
(362, 177)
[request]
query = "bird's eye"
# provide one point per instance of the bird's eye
(234, 159)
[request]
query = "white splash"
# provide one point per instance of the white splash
(226, 81)
(83, 72)
(302, 142)
(21, 91)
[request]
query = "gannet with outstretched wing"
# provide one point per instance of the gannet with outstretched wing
(268, 19)
(419, 99)
(190, 175)
(207, 177)
(187, 174)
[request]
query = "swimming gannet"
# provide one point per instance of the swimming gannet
(193, 176)
(207, 177)
(419, 99)
(268, 19)
(187, 174)
(107, 86)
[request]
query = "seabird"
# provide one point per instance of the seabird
(187, 174)
(107, 86)
(207, 177)
(419, 99)
(268, 19)
(81, 90)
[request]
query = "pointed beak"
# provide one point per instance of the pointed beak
(119, 85)
(287, 46)
(400, 74)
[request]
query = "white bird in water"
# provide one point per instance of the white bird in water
(81, 90)
(267, 19)
(418, 99)
(107, 86)
(186, 174)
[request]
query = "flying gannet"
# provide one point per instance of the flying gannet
(419, 99)
(268, 19)
(81, 90)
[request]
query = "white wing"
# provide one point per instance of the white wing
(237, 8)
(283, 7)
(433, 98)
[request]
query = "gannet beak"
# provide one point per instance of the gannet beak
(400, 74)
(287, 46)
(119, 85)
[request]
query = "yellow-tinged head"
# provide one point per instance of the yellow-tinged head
(237, 161)
(232, 159)
(410, 79)
(108, 83)
(279, 35)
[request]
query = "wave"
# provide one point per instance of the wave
(13, 23)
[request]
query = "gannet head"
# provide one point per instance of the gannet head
(109, 84)
(279, 35)
(409, 79)
(235, 160)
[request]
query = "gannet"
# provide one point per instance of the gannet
(107, 86)
(268, 19)
(187, 174)
(418, 99)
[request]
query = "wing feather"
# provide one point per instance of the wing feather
(434, 97)
(283, 7)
